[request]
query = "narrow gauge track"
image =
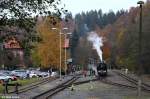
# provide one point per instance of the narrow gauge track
(144, 86)
(47, 95)
(86, 81)
(106, 81)
(51, 92)
(34, 85)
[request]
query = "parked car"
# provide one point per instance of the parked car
(5, 72)
(54, 74)
(8, 73)
(12, 77)
(33, 74)
(42, 74)
(22, 74)
(4, 77)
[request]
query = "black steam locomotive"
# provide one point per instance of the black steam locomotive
(102, 69)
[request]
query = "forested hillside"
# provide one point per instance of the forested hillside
(121, 33)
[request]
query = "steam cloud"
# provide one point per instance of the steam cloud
(97, 43)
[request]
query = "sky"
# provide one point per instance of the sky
(77, 6)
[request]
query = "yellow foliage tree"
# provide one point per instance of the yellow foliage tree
(48, 50)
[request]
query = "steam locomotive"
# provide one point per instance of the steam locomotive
(102, 69)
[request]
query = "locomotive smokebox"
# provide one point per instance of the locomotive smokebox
(102, 68)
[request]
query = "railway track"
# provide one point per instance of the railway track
(106, 81)
(51, 92)
(144, 86)
(86, 81)
(48, 94)
(33, 85)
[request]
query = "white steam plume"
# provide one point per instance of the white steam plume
(97, 43)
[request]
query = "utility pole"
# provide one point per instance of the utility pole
(140, 50)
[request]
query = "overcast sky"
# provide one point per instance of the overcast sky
(77, 6)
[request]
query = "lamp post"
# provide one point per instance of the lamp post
(2, 54)
(60, 32)
(140, 49)
(140, 29)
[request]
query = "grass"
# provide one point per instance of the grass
(1, 88)
(25, 81)
(22, 82)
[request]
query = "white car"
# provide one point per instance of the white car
(4, 77)
(32, 74)
(22, 74)
(54, 74)
(42, 74)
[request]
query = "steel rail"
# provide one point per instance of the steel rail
(51, 92)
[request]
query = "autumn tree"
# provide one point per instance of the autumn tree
(24, 14)
(21, 12)
(47, 52)
(125, 32)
